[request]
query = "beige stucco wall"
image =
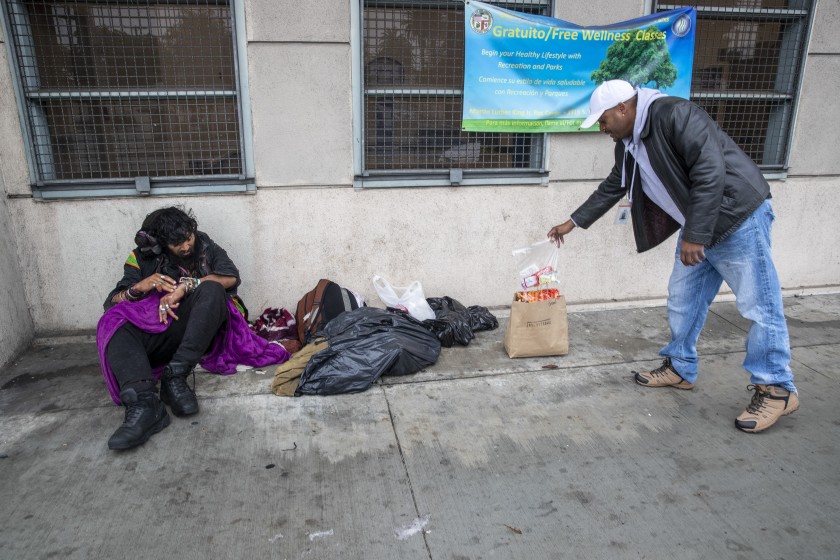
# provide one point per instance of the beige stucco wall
(306, 221)
(16, 327)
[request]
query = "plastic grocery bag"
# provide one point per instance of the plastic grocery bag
(536, 264)
(409, 299)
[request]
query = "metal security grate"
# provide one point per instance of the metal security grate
(128, 89)
(747, 63)
(413, 58)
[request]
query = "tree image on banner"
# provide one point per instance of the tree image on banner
(639, 61)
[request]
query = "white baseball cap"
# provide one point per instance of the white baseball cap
(606, 96)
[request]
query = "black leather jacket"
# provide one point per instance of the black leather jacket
(712, 181)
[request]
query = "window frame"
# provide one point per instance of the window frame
(784, 141)
(141, 186)
(363, 178)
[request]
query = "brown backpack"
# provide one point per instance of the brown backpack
(320, 306)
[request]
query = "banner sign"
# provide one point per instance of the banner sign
(528, 73)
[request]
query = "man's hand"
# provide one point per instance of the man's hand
(170, 302)
(692, 253)
(557, 232)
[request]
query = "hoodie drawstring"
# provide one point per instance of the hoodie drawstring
(632, 175)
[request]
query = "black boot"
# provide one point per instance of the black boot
(145, 416)
(175, 392)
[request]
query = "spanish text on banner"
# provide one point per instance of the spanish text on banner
(527, 73)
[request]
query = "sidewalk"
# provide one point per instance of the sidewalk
(477, 457)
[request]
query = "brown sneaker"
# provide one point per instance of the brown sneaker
(768, 404)
(663, 376)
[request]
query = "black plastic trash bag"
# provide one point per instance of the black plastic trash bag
(451, 323)
(481, 319)
(454, 323)
(365, 344)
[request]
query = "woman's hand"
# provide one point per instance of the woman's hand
(170, 303)
(157, 281)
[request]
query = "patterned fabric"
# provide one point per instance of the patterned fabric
(132, 261)
(275, 324)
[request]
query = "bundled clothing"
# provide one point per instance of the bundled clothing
(287, 376)
(275, 324)
(233, 344)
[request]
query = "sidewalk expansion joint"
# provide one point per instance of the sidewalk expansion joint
(405, 468)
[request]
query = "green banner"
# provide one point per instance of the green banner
(527, 73)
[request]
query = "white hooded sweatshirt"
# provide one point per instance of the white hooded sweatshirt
(651, 184)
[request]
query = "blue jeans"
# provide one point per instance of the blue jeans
(744, 261)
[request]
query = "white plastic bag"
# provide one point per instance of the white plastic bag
(536, 264)
(409, 299)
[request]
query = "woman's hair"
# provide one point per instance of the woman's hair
(170, 226)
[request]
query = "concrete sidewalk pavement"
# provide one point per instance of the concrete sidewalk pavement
(476, 457)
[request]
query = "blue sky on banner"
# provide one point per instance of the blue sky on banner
(532, 67)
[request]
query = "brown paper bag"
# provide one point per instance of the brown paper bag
(539, 328)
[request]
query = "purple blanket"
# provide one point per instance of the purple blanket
(234, 344)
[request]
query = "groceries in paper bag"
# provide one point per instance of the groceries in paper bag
(538, 324)
(537, 295)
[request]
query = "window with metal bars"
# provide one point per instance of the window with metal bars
(121, 97)
(747, 66)
(412, 60)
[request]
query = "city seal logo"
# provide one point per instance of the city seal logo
(481, 21)
(681, 26)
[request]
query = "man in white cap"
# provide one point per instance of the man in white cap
(678, 171)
